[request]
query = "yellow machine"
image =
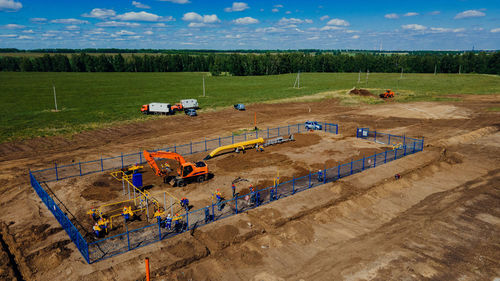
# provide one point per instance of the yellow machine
(237, 146)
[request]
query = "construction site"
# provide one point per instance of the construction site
(383, 192)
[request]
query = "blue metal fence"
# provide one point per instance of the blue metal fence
(59, 172)
(136, 238)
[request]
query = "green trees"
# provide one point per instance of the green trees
(258, 63)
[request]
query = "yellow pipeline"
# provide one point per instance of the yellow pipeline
(233, 146)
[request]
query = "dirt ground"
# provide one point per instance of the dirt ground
(440, 221)
(307, 153)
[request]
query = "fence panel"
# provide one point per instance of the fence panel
(65, 222)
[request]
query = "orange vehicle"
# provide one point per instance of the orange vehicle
(186, 172)
(176, 107)
(388, 94)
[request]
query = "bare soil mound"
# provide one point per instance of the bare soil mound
(361, 92)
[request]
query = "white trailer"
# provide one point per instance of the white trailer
(157, 108)
(189, 103)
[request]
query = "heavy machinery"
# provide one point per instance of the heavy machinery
(313, 125)
(156, 108)
(387, 94)
(176, 107)
(186, 172)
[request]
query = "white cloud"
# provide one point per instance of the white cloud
(278, 6)
(159, 25)
(237, 36)
(338, 22)
(117, 23)
(246, 20)
(286, 21)
(177, 1)
(124, 32)
(355, 37)
(329, 27)
(10, 5)
(434, 13)
(443, 30)
(97, 31)
(38, 20)
(69, 21)
(210, 19)
(269, 30)
(12, 26)
(415, 27)
(313, 38)
(469, 14)
(28, 31)
(192, 16)
(495, 30)
(197, 24)
(140, 5)
(411, 14)
(99, 13)
(275, 10)
(142, 16)
(324, 18)
(391, 16)
(149, 32)
(72, 27)
(24, 37)
(8, 35)
(198, 20)
(237, 7)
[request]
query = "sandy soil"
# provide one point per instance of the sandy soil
(439, 222)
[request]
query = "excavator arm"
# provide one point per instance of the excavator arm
(150, 158)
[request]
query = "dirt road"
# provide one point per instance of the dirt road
(439, 222)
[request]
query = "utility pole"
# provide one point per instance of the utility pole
(203, 86)
(460, 69)
(435, 69)
(55, 96)
(401, 73)
(359, 76)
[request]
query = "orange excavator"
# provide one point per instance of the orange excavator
(387, 94)
(186, 172)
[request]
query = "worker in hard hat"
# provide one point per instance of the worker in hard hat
(97, 230)
(168, 222)
(94, 214)
(320, 176)
(233, 187)
(178, 223)
(185, 203)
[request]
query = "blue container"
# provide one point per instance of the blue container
(137, 179)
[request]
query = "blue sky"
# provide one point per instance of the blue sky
(271, 24)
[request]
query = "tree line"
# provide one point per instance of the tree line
(259, 64)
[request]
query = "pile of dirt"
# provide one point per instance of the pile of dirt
(361, 92)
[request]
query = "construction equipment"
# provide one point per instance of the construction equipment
(239, 106)
(156, 108)
(236, 147)
(176, 107)
(278, 140)
(387, 94)
(186, 171)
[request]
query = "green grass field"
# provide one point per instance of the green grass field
(92, 100)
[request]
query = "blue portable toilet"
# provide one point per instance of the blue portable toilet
(137, 180)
